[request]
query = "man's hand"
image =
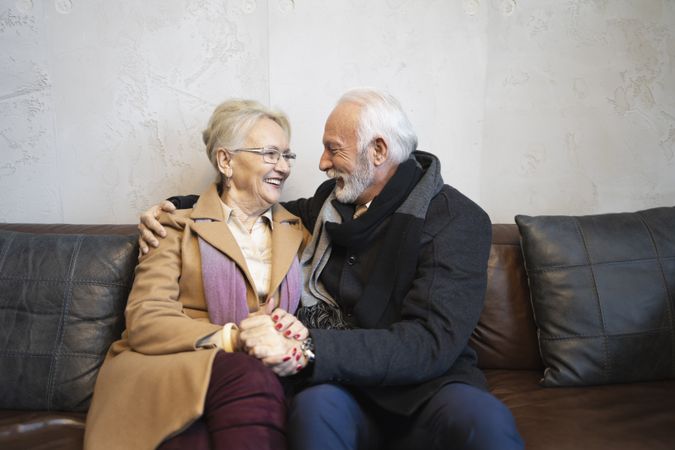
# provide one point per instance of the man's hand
(149, 227)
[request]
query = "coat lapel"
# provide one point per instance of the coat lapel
(216, 232)
(287, 235)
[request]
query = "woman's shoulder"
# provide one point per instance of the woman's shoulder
(178, 219)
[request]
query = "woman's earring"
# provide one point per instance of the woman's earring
(227, 176)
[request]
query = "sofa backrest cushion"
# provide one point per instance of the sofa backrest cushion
(603, 295)
(505, 337)
(62, 300)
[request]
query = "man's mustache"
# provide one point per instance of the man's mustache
(332, 173)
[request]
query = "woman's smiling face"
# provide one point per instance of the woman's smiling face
(256, 184)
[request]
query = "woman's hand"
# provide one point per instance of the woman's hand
(149, 227)
(262, 337)
(259, 338)
(289, 364)
(289, 325)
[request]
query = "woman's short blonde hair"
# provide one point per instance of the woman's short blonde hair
(231, 122)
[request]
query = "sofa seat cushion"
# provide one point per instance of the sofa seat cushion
(20, 430)
(627, 416)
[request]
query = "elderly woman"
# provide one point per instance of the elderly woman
(179, 377)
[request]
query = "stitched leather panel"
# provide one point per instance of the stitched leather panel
(603, 294)
(62, 300)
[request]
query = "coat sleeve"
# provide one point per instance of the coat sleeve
(156, 323)
(308, 208)
(438, 313)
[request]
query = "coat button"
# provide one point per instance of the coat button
(352, 260)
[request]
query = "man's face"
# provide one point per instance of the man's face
(341, 158)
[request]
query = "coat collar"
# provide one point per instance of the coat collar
(287, 235)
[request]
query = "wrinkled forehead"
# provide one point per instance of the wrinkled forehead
(342, 123)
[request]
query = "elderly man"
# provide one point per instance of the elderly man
(395, 276)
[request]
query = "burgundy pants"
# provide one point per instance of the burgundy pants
(244, 409)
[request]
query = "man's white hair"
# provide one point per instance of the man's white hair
(382, 116)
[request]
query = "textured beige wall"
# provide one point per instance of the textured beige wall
(540, 106)
(103, 101)
(580, 108)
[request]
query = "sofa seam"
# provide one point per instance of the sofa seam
(5, 249)
(78, 319)
(47, 355)
(665, 285)
(596, 264)
(62, 280)
(591, 336)
(67, 297)
(606, 369)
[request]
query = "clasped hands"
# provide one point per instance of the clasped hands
(275, 338)
(272, 335)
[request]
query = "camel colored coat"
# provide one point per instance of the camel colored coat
(153, 382)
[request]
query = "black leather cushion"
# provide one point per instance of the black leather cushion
(603, 295)
(62, 300)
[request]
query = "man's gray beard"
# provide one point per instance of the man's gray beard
(357, 182)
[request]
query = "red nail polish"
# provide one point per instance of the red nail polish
(287, 358)
(297, 336)
(275, 318)
(294, 350)
(298, 368)
(278, 326)
(297, 357)
(287, 333)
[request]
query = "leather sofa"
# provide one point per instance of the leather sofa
(639, 415)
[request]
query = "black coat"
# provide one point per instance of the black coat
(408, 345)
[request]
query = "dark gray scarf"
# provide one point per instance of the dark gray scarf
(404, 201)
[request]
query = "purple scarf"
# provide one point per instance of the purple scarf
(225, 286)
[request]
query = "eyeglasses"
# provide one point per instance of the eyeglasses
(270, 155)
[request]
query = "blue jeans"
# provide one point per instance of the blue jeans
(458, 416)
